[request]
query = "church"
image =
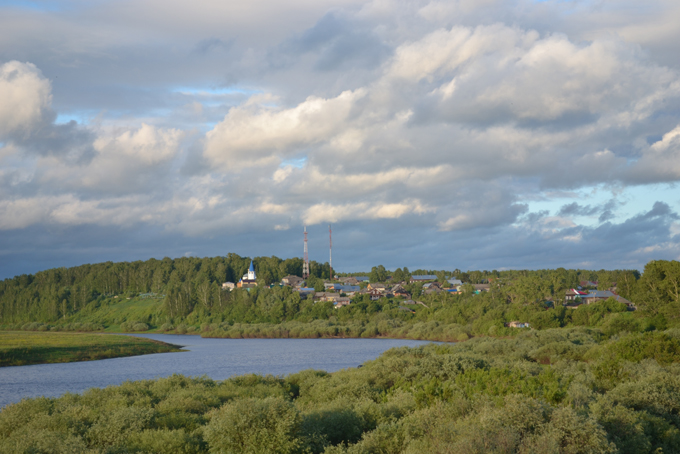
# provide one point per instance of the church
(249, 279)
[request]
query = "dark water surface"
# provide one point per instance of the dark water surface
(217, 358)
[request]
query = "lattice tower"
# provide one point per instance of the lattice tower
(305, 265)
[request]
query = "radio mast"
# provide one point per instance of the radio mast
(330, 251)
(305, 265)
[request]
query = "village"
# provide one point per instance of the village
(342, 290)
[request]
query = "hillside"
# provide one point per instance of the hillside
(185, 295)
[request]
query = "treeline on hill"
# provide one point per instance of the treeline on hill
(554, 391)
(189, 282)
(184, 295)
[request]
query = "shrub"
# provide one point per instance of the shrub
(167, 327)
(254, 426)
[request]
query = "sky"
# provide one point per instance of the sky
(457, 134)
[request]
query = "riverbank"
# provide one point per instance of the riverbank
(19, 348)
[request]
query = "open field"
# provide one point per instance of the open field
(18, 348)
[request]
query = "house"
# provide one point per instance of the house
(305, 292)
(341, 301)
(481, 287)
(348, 290)
(249, 280)
(326, 296)
(349, 280)
(517, 325)
(399, 291)
(593, 296)
(454, 282)
(293, 281)
(423, 278)
(432, 285)
(621, 299)
(375, 294)
(228, 286)
(376, 286)
(596, 295)
(409, 302)
(573, 293)
(585, 284)
(361, 278)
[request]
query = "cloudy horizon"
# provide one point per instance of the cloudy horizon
(439, 135)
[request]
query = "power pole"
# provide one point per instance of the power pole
(330, 259)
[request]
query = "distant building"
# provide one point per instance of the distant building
(454, 282)
(349, 280)
(376, 286)
(573, 293)
(593, 296)
(292, 281)
(305, 292)
(249, 280)
(517, 325)
(348, 290)
(228, 286)
(423, 278)
(341, 301)
(588, 284)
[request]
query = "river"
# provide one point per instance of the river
(216, 358)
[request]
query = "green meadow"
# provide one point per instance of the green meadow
(18, 348)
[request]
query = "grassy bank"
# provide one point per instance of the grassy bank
(18, 348)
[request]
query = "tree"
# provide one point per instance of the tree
(378, 274)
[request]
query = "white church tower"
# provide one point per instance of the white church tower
(251, 272)
(249, 279)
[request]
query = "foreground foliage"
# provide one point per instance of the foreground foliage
(574, 390)
(21, 348)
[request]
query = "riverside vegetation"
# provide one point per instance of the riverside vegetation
(564, 390)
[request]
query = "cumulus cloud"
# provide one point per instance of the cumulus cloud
(660, 161)
(26, 99)
(255, 134)
(333, 213)
(27, 119)
(443, 119)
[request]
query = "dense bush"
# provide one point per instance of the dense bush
(568, 390)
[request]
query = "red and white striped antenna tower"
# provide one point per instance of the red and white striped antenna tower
(330, 258)
(305, 265)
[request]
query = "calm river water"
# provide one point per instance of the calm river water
(217, 358)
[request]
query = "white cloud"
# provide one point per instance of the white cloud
(255, 134)
(25, 98)
(324, 212)
(660, 161)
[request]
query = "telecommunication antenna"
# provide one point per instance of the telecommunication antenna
(305, 265)
(330, 258)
